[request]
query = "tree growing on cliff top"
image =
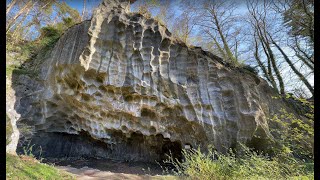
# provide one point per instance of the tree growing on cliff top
(270, 37)
(27, 17)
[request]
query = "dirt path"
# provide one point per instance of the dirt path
(86, 173)
(113, 170)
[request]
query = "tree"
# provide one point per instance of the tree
(267, 73)
(258, 15)
(10, 5)
(275, 41)
(185, 25)
(26, 8)
(219, 23)
(301, 76)
(145, 7)
(83, 10)
(299, 17)
(27, 17)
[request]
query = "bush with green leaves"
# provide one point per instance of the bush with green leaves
(251, 69)
(291, 155)
(35, 51)
(292, 135)
(250, 165)
(49, 35)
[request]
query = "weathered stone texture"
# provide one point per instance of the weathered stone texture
(12, 133)
(122, 74)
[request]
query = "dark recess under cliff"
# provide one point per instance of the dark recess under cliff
(53, 145)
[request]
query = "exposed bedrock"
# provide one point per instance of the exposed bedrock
(123, 80)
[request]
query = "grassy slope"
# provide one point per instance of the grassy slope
(28, 168)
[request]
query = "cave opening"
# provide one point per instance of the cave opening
(260, 145)
(172, 149)
(135, 147)
(260, 142)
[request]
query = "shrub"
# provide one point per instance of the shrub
(292, 135)
(49, 35)
(251, 69)
(251, 165)
(291, 155)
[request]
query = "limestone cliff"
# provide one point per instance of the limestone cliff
(124, 80)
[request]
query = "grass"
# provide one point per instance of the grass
(9, 70)
(214, 165)
(9, 130)
(12, 69)
(24, 167)
(290, 156)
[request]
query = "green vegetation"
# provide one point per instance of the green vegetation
(299, 17)
(289, 155)
(292, 136)
(9, 130)
(250, 69)
(251, 165)
(35, 50)
(25, 167)
(49, 35)
(30, 36)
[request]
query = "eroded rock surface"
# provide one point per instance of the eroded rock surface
(125, 81)
(12, 133)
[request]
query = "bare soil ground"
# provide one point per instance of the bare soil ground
(113, 170)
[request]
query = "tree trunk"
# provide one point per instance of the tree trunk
(270, 74)
(258, 24)
(83, 10)
(305, 61)
(16, 37)
(11, 23)
(263, 68)
(273, 61)
(217, 44)
(12, 3)
(276, 70)
(219, 48)
(225, 44)
(302, 78)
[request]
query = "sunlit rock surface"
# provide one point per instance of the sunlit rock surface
(125, 81)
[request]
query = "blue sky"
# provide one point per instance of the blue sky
(78, 4)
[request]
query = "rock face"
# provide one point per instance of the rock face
(123, 80)
(12, 133)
